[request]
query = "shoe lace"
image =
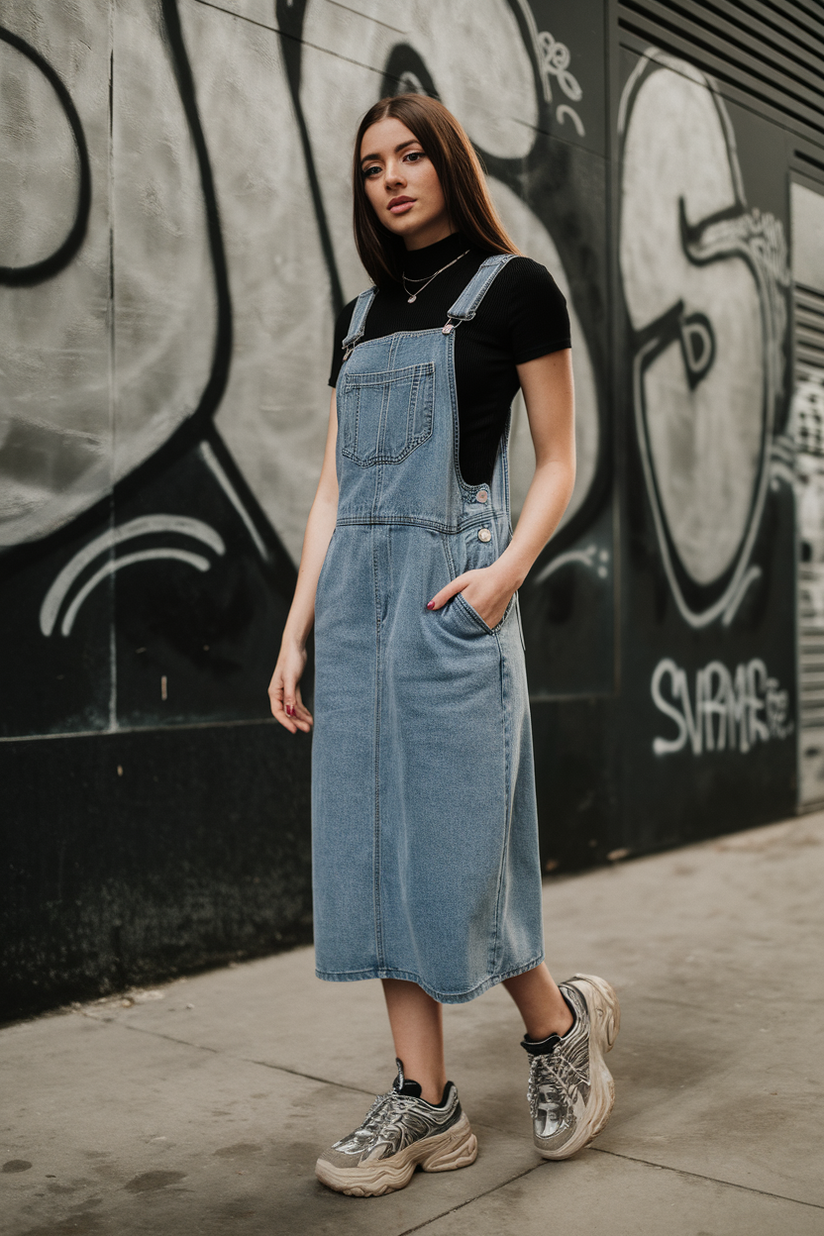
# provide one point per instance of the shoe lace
(557, 1074)
(385, 1110)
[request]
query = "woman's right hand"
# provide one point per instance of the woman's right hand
(284, 690)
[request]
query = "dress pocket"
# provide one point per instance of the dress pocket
(383, 417)
(475, 618)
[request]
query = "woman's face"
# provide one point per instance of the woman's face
(402, 185)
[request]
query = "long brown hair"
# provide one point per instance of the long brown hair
(459, 170)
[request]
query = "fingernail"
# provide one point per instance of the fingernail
(290, 712)
(430, 605)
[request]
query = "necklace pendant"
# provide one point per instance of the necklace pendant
(411, 300)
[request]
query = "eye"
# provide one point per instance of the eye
(368, 172)
(414, 155)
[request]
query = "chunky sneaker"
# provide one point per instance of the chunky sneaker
(570, 1088)
(400, 1132)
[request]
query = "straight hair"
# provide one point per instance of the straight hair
(459, 171)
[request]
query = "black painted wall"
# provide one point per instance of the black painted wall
(150, 854)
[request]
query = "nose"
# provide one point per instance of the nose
(393, 176)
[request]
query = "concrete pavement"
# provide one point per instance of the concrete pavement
(200, 1107)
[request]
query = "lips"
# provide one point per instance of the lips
(400, 205)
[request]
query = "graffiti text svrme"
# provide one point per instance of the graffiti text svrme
(726, 710)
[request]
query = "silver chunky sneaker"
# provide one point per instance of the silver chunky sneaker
(400, 1132)
(570, 1088)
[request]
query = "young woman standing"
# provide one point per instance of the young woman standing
(425, 835)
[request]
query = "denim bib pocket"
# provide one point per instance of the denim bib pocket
(384, 416)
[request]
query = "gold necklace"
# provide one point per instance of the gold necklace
(413, 296)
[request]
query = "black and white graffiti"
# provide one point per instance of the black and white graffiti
(726, 710)
(118, 325)
(705, 281)
(175, 242)
(131, 338)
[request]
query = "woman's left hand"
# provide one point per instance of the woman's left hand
(488, 590)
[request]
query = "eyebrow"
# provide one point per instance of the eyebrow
(398, 149)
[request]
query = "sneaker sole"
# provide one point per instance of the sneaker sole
(605, 1021)
(457, 1147)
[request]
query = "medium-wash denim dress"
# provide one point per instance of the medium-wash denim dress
(424, 821)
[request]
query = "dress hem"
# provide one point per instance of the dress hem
(443, 997)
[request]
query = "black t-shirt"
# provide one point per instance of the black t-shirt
(522, 316)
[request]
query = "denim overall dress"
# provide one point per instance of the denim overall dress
(424, 822)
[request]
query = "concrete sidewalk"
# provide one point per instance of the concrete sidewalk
(201, 1107)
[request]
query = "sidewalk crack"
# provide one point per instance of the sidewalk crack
(266, 1064)
(730, 1184)
(407, 1231)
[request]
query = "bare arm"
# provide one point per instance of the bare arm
(550, 402)
(284, 689)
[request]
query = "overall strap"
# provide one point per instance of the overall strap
(358, 323)
(466, 306)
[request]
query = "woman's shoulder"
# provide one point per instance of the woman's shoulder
(523, 275)
(529, 307)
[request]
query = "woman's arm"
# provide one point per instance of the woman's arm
(550, 403)
(284, 692)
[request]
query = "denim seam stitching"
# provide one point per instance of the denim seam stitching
(507, 742)
(388, 376)
(356, 426)
(413, 521)
(376, 829)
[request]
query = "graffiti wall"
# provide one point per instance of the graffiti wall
(175, 243)
(178, 242)
(708, 597)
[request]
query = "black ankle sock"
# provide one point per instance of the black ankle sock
(540, 1047)
(413, 1089)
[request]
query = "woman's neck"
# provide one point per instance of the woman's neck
(417, 263)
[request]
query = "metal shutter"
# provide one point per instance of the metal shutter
(809, 436)
(769, 50)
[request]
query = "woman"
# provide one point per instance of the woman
(425, 838)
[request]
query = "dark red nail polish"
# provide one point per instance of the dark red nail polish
(430, 605)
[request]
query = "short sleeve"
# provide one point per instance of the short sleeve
(537, 311)
(341, 331)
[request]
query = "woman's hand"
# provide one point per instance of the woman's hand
(284, 693)
(488, 590)
(284, 690)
